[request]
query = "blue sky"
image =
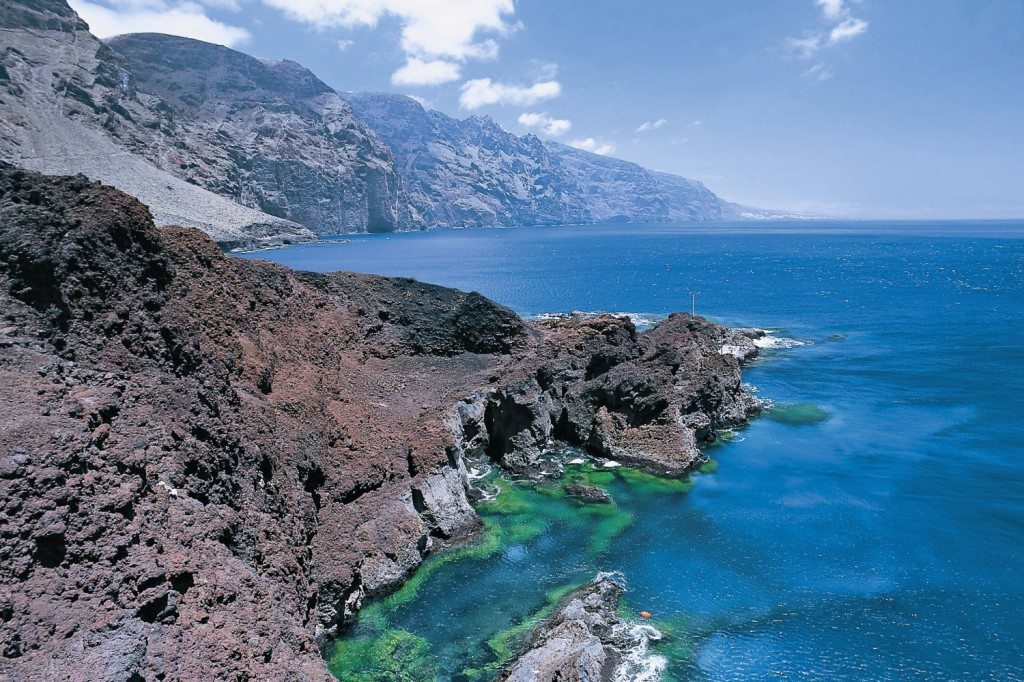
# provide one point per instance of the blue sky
(860, 108)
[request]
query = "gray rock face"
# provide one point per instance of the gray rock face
(269, 135)
(68, 104)
(586, 640)
(619, 191)
(471, 173)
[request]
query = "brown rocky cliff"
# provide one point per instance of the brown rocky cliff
(206, 464)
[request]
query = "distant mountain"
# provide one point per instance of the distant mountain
(620, 191)
(69, 104)
(472, 172)
(468, 172)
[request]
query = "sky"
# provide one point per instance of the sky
(904, 109)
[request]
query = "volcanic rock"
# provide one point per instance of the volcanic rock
(208, 463)
(587, 493)
(585, 640)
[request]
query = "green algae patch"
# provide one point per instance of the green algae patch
(588, 474)
(649, 484)
(639, 480)
(797, 414)
(676, 645)
(521, 512)
(392, 656)
(723, 437)
(708, 467)
(605, 522)
(380, 648)
(490, 542)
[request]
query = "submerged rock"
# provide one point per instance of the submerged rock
(587, 493)
(585, 640)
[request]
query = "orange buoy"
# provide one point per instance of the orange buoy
(645, 614)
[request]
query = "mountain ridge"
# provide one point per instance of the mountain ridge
(259, 152)
(521, 179)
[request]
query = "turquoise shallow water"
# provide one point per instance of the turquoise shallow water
(885, 542)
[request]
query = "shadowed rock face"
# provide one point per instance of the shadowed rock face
(268, 135)
(208, 463)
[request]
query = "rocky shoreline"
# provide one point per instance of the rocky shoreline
(586, 639)
(222, 457)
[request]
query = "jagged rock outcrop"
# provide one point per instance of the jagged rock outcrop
(472, 172)
(68, 104)
(208, 463)
(586, 640)
(649, 400)
(269, 135)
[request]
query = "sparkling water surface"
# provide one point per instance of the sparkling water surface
(885, 542)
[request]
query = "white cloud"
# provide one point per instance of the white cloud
(843, 27)
(418, 72)
(545, 71)
(549, 126)
(186, 19)
(818, 72)
(651, 125)
(832, 9)
(345, 43)
(589, 144)
(805, 47)
(483, 91)
(431, 29)
(848, 29)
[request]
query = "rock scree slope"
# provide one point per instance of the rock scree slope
(69, 104)
(207, 463)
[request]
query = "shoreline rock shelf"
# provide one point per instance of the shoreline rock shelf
(225, 457)
(586, 639)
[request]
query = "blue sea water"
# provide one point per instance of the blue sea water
(885, 542)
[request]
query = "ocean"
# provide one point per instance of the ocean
(870, 526)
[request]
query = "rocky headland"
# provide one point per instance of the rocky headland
(207, 464)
